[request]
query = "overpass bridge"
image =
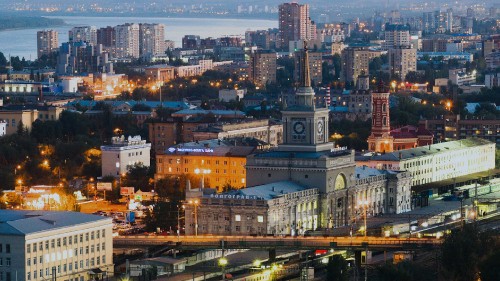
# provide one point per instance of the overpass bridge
(277, 243)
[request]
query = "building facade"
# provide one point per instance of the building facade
(216, 163)
(294, 23)
(83, 34)
(47, 42)
(437, 162)
(262, 67)
(152, 39)
(43, 245)
(382, 139)
(402, 60)
(454, 128)
(118, 157)
(127, 41)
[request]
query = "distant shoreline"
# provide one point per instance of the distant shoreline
(11, 22)
(273, 17)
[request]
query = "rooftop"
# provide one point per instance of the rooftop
(16, 222)
(425, 150)
(216, 147)
(269, 191)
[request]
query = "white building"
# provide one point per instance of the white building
(227, 95)
(45, 245)
(83, 34)
(437, 162)
(121, 154)
(3, 128)
(127, 40)
(152, 39)
(460, 77)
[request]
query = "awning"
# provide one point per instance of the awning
(95, 271)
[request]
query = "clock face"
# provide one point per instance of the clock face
(321, 125)
(340, 182)
(299, 127)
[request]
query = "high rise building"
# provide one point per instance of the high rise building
(259, 38)
(355, 61)
(47, 42)
(151, 39)
(449, 20)
(127, 40)
(106, 36)
(191, 42)
(294, 23)
(262, 67)
(402, 60)
(79, 58)
(87, 34)
(396, 35)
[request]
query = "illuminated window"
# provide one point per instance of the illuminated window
(237, 218)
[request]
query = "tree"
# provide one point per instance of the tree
(139, 176)
(489, 267)
(403, 271)
(3, 60)
(463, 251)
(337, 269)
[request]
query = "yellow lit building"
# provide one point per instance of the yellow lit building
(215, 162)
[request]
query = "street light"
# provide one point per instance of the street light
(195, 203)
(364, 204)
(222, 263)
(18, 167)
(158, 86)
(203, 172)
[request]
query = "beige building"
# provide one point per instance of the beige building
(46, 245)
(127, 41)
(356, 61)
(47, 41)
(121, 154)
(162, 73)
(152, 39)
(262, 67)
(402, 60)
(14, 115)
(294, 24)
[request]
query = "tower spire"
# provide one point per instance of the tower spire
(305, 79)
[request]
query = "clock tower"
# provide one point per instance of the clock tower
(305, 125)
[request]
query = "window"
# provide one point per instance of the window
(97, 247)
(28, 262)
(87, 236)
(92, 248)
(92, 235)
(34, 247)
(237, 218)
(103, 233)
(64, 241)
(58, 242)
(86, 249)
(81, 238)
(7, 248)
(104, 259)
(40, 246)
(52, 243)
(28, 248)
(7, 262)
(103, 246)
(260, 218)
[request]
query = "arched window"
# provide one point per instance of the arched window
(384, 107)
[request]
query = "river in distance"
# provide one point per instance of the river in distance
(22, 42)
